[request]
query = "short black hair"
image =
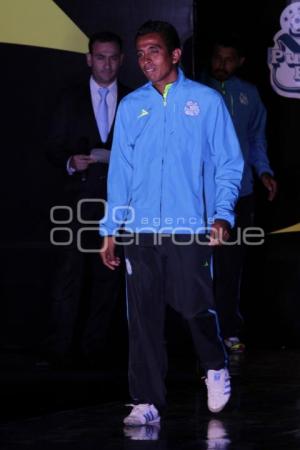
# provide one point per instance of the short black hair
(105, 36)
(232, 40)
(165, 29)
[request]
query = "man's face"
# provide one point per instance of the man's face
(225, 61)
(105, 62)
(155, 61)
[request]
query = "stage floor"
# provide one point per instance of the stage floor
(42, 408)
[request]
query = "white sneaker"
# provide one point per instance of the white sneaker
(218, 389)
(142, 414)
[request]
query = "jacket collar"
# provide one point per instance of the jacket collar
(178, 81)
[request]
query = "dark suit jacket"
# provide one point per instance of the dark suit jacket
(74, 131)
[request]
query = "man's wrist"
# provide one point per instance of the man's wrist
(223, 222)
(266, 174)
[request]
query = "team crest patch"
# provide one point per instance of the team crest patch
(284, 56)
(244, 99)
(192, 108)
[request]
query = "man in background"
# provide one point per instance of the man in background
(85, 292)
(249, 118)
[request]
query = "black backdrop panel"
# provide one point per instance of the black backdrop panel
(124, 18)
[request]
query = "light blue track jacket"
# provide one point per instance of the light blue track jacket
(175, 164)
(249, 118)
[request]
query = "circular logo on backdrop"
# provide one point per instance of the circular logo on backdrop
(284, 57)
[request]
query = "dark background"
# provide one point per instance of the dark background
(31, 81)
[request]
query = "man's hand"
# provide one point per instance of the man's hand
(219, 232)
(80, 162)
(107, 253)
(271, 184)
(101, 155)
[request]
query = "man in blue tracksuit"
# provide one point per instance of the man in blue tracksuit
(249, 118)
(174, 177)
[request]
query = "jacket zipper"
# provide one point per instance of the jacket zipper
(164, 96)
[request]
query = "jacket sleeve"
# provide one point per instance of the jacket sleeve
(258, 157)
(118, 209)
(57, 141)
(228, 163)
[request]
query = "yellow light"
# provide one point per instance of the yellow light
(39, 23)
(292, 229)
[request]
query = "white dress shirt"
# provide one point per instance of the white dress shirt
(111, 100)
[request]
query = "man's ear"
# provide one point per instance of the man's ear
(89, 59)
(176, 55)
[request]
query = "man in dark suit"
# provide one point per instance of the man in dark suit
(85, 292)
